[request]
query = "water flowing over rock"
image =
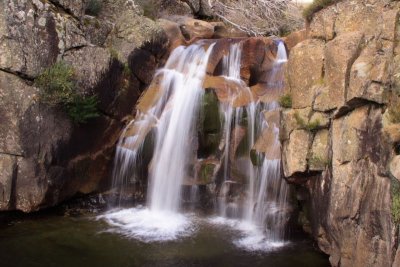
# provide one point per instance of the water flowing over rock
(213, 137)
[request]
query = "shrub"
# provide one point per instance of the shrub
(285, 101)
(58, 88)
(93, 7)
(57, 84)
(316, 6)
(83, 108)
(309, 126)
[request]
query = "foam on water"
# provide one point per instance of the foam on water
(148, 225)
(251, 237)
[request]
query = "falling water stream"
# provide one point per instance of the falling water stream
(260, 215)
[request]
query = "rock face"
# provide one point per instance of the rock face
(45, 158)
(336, 140)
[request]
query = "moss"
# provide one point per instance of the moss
(206, 173)
(310, 126)
(285, 101)
(57, 86)
(395, 201)
(93, 7)
(318, 161)
(256, 157)
(114, 53)
(316, 6)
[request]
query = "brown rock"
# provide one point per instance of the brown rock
(8, 166)
(173, 33)
(193, 28)
(323, 24)
(394, 167)
(295, 38)
(340, 55)
(368, 76)
(318, 159)
(346, 136)
(304, 71)
(295, 152)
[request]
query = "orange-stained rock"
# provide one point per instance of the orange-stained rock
(221, 49)
(253, 54)
(229, 90)
(294, 38)
(150, 97)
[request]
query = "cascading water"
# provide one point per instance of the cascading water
(171, 114)
(174, 116)
(263, 213)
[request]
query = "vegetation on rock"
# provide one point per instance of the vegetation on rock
(285, 101)
(58, 87)
(309, 126)
(318, 161)
(396, 201)
(316, 6)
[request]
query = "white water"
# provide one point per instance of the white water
(174, 115)
(260, 216)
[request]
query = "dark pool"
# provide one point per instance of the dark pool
(53, 240)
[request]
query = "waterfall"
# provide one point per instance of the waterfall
(264, 208)
(169, 118)
(173, 115)
(174, 151)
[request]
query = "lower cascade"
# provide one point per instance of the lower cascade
(206, 136)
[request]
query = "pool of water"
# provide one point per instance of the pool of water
(90, 240)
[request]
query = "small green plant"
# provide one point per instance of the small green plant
(83, 108)
(310, 126)
(93, 7)
(316, 6)
(396, 201)
(127, 70)
(58, 88)
(57, 84)
(285, 101)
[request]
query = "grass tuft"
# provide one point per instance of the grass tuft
(316, 6)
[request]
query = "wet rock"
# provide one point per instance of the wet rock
(8, 165)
